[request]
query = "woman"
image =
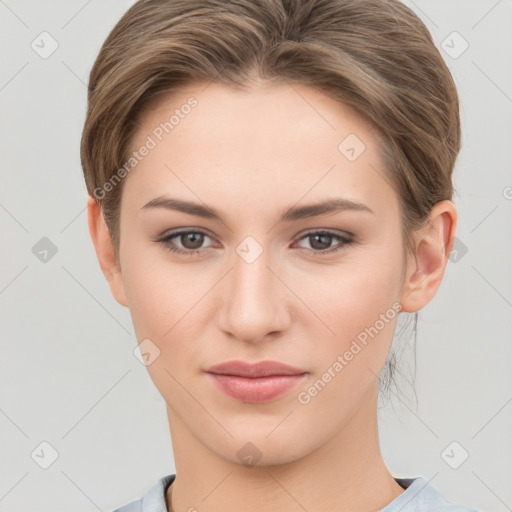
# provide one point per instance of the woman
(270, 186)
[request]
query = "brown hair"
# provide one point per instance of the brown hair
(375, 55)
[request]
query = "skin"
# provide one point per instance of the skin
(250, 155)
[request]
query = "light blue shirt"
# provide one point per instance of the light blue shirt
(419, 496)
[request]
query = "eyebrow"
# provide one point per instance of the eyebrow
(291, 214)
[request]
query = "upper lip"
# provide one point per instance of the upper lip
(261, 369)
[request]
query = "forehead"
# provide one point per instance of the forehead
(280, 103)
(277, 142)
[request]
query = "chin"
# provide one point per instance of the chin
(256, 448)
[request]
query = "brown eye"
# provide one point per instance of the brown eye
(321, 242)
(189, 242)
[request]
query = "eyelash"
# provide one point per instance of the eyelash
(166, 241)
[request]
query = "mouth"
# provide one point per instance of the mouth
(255, 383)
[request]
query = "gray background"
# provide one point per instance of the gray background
(68, 374)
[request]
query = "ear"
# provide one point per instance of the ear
(104, 250)
(425, 268)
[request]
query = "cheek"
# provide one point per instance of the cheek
(353, 296)
(358, 304)
(168, 305)
(158, 293)
(165, 308)
(361, 309)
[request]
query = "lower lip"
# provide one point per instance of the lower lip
(256, 390)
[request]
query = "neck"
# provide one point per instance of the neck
(345, 473)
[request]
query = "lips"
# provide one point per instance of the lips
(261, 369)
(255, 382)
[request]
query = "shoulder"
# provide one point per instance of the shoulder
(420, 496)
(153, 500)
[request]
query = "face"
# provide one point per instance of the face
(253, 272)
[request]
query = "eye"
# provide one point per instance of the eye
(321, 242)
(191, 241)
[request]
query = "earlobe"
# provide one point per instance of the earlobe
(426, 267)
(104, 250)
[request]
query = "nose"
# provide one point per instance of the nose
(254, 300)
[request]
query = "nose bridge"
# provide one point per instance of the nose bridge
(253, 302)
